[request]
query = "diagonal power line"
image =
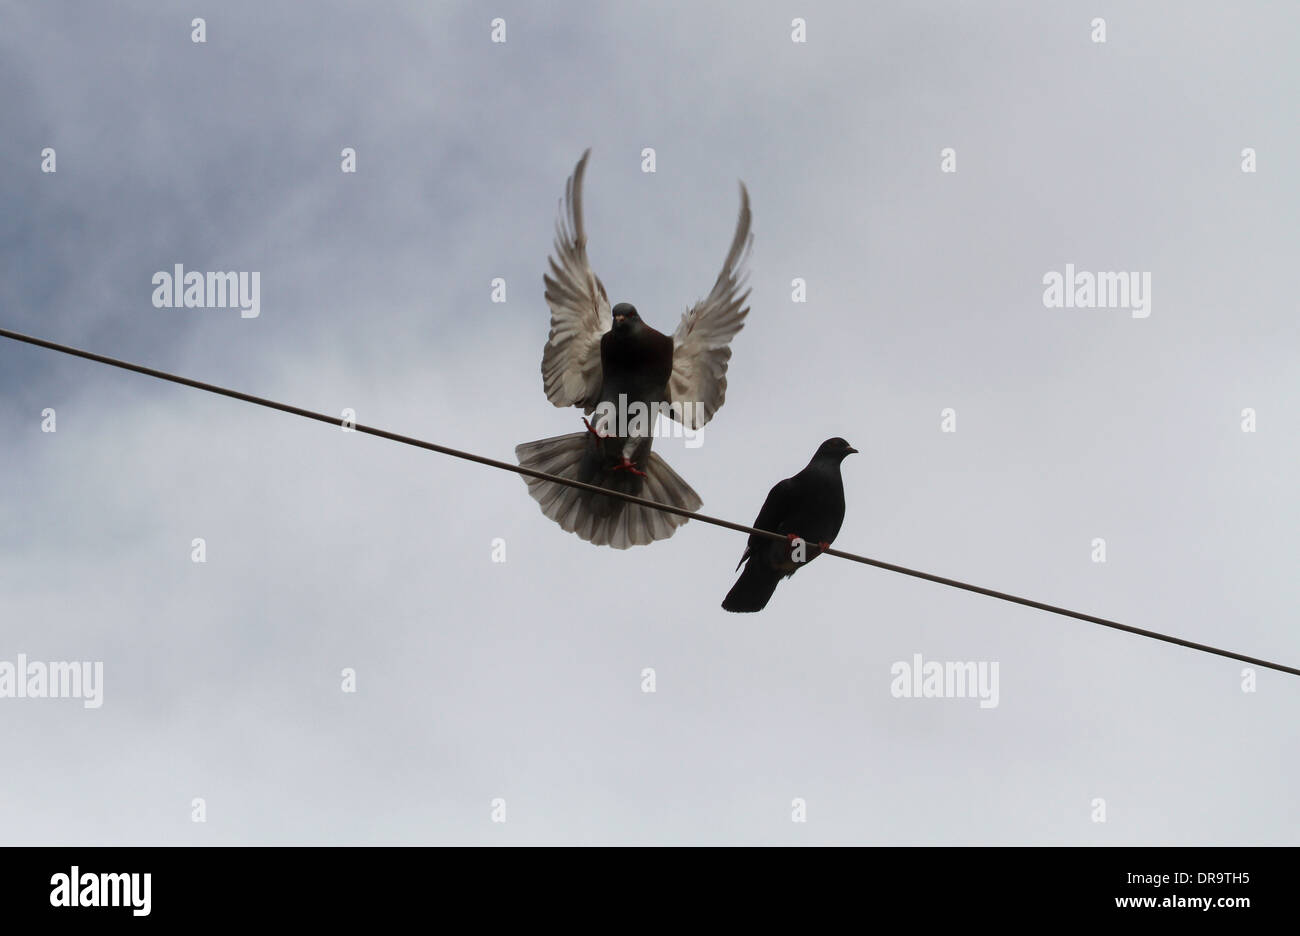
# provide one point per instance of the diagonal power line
(631, 498)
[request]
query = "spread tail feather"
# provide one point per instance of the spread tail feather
(603, 521)
(753, 589)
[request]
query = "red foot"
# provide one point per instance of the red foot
(592, 429)
(793, 538)
(626, 465)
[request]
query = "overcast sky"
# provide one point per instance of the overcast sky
(522, 680)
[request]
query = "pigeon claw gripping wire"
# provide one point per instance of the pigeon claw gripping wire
(628, 465)
(793, 538)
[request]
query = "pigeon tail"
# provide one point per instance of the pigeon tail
(753, 589)
(601, 520)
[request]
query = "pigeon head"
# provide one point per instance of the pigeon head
(624, 315)
(836, 449)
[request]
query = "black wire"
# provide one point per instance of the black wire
(631, 498)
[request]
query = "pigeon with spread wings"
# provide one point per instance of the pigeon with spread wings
(611, 363)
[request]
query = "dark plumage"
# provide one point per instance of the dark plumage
(809, 506)
(636, 362)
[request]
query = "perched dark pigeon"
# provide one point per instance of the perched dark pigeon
(807, 507)
(610, 362)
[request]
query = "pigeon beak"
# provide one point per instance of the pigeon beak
(851, 451)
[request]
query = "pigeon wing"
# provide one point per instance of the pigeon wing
(775, 517)
(701, 349)
(579, 309)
